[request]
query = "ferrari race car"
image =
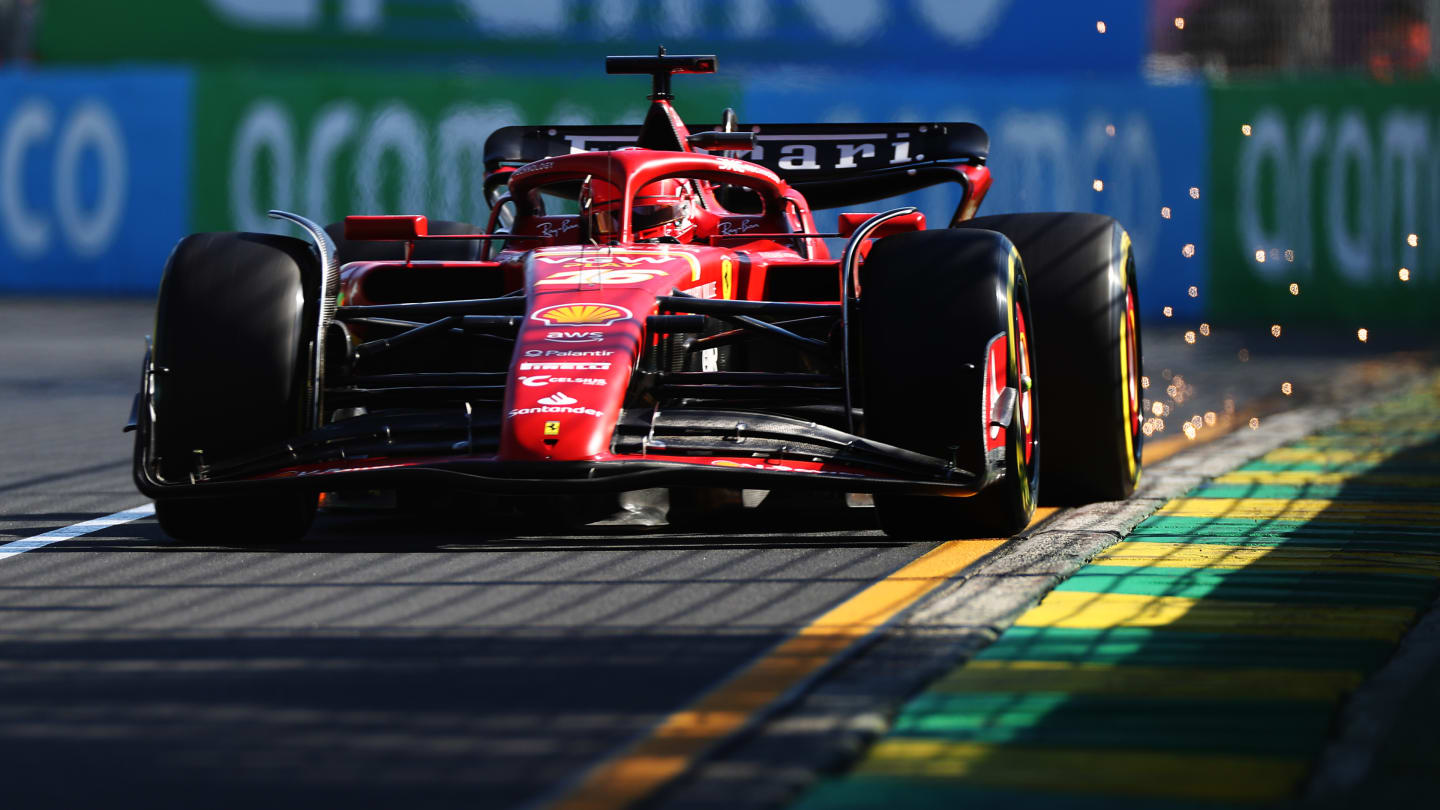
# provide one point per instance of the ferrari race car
(650, 307)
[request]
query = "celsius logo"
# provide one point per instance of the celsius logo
(582, 314)
(564, 366)
(542, 380)
(558, 398)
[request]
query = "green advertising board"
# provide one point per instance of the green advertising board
(559, 35)
(1321, 184)
(330, 143)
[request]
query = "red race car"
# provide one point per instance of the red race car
(655, 307)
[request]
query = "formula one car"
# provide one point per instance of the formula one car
(653, 306)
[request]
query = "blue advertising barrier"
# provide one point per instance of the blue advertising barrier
(94, 178)
(1051, 140)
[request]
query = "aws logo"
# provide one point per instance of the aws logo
(582, 314)
(575, 336)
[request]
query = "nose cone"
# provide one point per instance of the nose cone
(567, 382)
(580, 343)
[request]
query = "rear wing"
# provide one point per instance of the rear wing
(833, 165)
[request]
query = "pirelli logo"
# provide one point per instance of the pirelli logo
(528, 366)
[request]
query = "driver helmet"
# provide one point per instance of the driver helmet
(663, 209)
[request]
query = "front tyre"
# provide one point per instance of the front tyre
(232, 334)
(948, 369)
(1083, 288)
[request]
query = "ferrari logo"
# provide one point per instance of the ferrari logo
(727, 278)
(552, 428)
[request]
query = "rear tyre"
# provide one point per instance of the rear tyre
(232, 336)
(944, 330)
(1083, 288)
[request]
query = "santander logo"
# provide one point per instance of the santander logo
(558, 398)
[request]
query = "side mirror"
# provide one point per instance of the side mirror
(713, 141)
(850, 223)
(395, 228)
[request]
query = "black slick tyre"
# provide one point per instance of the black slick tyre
(1083, 289)
(944, 332)
(232, 336)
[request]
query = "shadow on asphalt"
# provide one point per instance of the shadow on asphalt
(384, 664)
(379, 531)
(330, 720)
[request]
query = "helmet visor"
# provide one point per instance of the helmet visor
(643, 217)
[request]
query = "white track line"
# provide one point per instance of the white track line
(16, 547)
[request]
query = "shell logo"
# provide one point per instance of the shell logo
(582, 314)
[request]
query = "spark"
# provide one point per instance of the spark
(1289, 255)
(1205, 329)
(1193, 292)
(1189, 431)
(1098, 185)
(1413, 240)
(1169, 311)
(1110, 130)
(1165, 211)
(1157, 408)
(1275, 330)
(1254, 423)
(1194, 192)
(1190, 336)
(1100, 26)
(1363, 334)
(1260, 256)
(1180, 23)
(1188, 250)
(1404, 274)
(1197, 421)
(1245, 130)
(1286, 389)
(1144, 381)
(1148, 429)
(1210, 418)
(1171, 391)
(1294, 288)
(1244, 355)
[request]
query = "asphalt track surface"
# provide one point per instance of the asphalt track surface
(380, 663)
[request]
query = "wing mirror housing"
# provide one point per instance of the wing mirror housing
(392, 228)
(713, 141)
(849, 223)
